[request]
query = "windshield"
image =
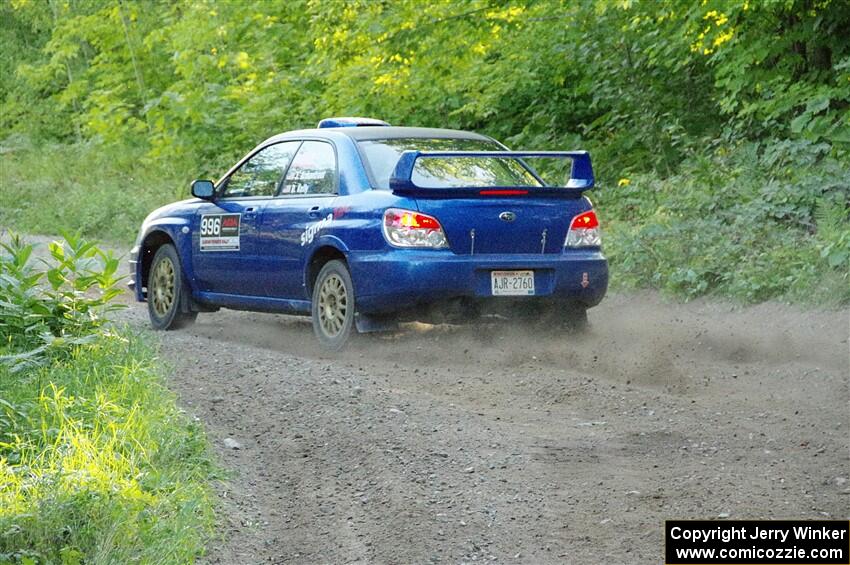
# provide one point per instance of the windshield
(382, 155)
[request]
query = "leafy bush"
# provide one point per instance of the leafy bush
(97, 464)
(728, 117)
(49, 310)
(751, 223)
(641, 83)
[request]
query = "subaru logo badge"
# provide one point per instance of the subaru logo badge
(507, 216)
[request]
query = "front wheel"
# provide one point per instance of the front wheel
(167, 291)
(333, 305)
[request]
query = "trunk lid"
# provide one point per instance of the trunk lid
(492, 202)
(504, 225)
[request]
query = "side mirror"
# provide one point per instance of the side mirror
(203, 189)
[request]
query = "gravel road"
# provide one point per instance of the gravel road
(496, 443)
(506, 444)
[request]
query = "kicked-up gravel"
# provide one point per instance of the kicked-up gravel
(515, 444)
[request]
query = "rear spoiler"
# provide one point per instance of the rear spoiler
(581, 175)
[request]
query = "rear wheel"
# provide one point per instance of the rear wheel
(167, 292)
(333, 305)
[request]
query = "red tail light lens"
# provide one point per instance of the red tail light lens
(503, 192)
(584, 231)
(406, 228)
(587, 220)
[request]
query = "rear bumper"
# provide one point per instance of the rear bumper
(401, 279)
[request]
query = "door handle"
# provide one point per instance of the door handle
(314, 212)
(250, 213)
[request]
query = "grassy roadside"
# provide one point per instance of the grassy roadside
(97, 462)
(751, 222)
(100, 193)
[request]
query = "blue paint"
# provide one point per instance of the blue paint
(281, 235)
(350, 123)
(254, 303)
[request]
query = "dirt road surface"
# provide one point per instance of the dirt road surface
(508, 444)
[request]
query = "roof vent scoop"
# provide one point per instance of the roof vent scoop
(350, 122)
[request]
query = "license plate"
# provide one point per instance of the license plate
(512, 283)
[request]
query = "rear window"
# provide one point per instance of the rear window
(382, 155)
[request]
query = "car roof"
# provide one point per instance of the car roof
(393, 132)
(382, 132)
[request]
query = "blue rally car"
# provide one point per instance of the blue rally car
(361, 225)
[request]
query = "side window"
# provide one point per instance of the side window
(260, 175)
(313, 171)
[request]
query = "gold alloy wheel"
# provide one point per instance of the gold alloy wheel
(333, 305)
(163, 286)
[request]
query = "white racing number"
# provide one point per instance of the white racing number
(210, 225)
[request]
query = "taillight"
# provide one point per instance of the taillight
(405, 228)
(584, 231)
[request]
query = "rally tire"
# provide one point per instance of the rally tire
(333, 306)
(168, 294)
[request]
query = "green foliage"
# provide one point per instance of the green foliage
(640, 83)
(102, 192)
(834, 244)
(49, 310)
(156, 93)
(97, 464)
(744, 223)
(781, 68)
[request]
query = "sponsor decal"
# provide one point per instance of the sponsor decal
(309, 234)
(220, 232)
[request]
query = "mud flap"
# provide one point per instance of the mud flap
(188, 304)
(368, 324)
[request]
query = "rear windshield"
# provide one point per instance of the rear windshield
(382, 155)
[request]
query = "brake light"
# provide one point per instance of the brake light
(405, 228)
(503, 192)
(584, 231)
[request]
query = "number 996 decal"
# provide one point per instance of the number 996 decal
(220, 232)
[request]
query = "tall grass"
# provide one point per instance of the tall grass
(99, 191)
(97, 464)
